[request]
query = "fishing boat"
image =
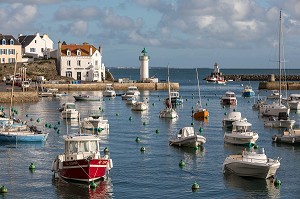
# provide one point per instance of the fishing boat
(277, 107)
(139, 106)
(176, 99)
(241, 134)
(248, 91)
(168, 111)
(282, 121)
(289, 136)
(95, 123)
(86, 98)
(69, 111)
(229, 98)
(216, 76)
(81, 160)
(251, 164)
(232, 117)
(200, 112)
(186, 137)
(109, 91)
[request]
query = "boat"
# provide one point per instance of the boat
(241, 134)
(109, 91)
(282, 121)
(251, 164)
(248, 91)
(168, 111)
(131, 101)
(294, 101)
(229, 98)
(289, 136)
(232, 117)
(95, 123)
(81, 161)
(176, 99)
(275, 94)
(259, 103)
(12, 131)
(69, 111)
(48, 92)
(132, 91)
(216, 76)
(139, 106)
(60, 94)
(186, 137)
(200, 112)
(86, 98)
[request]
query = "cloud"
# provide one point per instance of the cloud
(17, 17)
(72, 13)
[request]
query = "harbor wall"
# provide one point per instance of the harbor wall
(117, 86)
(275, 85)
(260, 77)
(19, 97)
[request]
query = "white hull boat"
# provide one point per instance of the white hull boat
(230, 118)
(229, 99)
(251, 164)
(168, 113)
(94, 123)
(187, 137)
(69, 111)
(139, 106)
(290, 136)
(109, 91)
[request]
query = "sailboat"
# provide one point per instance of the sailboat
(18, 132)
(276, 107)
(200, 113)
(168, 112)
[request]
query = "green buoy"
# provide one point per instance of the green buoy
(130, 118)
(277, 182)
(143, 149)
(117, 114)
(93, 185)
(181, 163)
(106, 150)
(137, 139)
(144, 123)
(200, 129)
(3, 189)
(32, 166)
(195, 186)
(156, 131)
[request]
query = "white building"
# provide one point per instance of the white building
(81, 62)
(144, 65)
(36, 46)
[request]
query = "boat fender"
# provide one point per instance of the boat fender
(275, 138)
(110, 164)
(293, 140)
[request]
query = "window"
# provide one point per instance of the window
(73, 147)
(68, 52)
(4, 51)
(42, 49)
(78, 52)
(3, 60)
(32, 50)
(3, 42)
(78, 62)
(96, 63)
(34, 41)
(87, 73)
(68, 74)
(11, 42)
(68, 63)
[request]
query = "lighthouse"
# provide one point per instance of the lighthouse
(144, 67)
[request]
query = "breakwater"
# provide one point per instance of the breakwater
(276, 85)
(117, 86)
(260, 77)
(19, 97)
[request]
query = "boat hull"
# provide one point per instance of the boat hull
(192, 141)
(89, 98)
(292, 139)
(240, 139)
(23, 137)
(248, 94)
(201, 115)
(248, 169)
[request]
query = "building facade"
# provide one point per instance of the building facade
(10, 49)
(35, 45)
(81, 62)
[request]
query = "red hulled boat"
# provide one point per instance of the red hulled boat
(82, 161)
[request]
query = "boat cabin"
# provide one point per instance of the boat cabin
(186, 132)
(241, 126)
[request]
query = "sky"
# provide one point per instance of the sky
(178, 33)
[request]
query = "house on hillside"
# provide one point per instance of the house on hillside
(10, 49)
(36, 46)
(80, 61)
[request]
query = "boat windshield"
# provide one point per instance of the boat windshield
(82, 146)
(71, 106)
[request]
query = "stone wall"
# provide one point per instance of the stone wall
(19, 97)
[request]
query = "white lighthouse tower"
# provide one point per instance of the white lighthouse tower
(144, 67)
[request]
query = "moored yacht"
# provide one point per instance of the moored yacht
(229, 98)
(186, 137)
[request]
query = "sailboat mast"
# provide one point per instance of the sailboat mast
(169, 89)
(12, 88)
(279, 54)
(198, 88)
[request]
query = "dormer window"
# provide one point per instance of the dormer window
(68, 53)
(3, 42)
(78, 52)
(11, 42)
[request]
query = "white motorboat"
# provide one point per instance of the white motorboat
(48, 92)
(95, 123)
(251, 164)
(109, 91)
(139, 106)
(282, 121)
(69, 111)
(232, 117)
(275, 95)
(131, 101)
(290, 136)
(132, 91)
(186, 137)
(294, 101)
(241, 134)
(229, 98)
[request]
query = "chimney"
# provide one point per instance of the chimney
(100, 50)
(91, 51)
(20, 34)
(37, 34)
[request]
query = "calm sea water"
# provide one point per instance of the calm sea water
(154, 173)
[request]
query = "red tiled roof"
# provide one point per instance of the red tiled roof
(84, 48)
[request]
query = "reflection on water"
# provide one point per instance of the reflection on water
(76, 190)
(262, 188)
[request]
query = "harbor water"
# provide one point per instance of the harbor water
(154, 173)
